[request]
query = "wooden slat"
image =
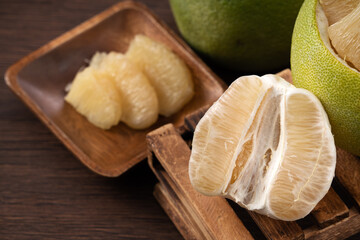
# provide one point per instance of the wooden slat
(192, 119)
(198, 227)
(175, 210)
(276, 229)
(330, 209)
(173, 205)
(340, 230)
(214, 214)
(348, 173)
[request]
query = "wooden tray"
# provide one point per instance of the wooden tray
(200, 217)
(39, 79)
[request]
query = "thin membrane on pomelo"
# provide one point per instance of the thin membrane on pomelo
(266, 145)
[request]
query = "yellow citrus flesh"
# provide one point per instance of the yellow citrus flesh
(266, 145)
(139, 100)
(96, 98)
(167, 73)
(317, 68)
(308, 161)
(217, 135)
(345, 37)
(335, 10)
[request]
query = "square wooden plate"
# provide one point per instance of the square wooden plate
(39, 79)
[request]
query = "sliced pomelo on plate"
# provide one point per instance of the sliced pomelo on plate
(266, 145)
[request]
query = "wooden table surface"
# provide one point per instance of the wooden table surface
(45, 192)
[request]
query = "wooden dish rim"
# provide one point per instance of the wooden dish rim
(12, 73)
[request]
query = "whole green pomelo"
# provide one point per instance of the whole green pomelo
(242, 35)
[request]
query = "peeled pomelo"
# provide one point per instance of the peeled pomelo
(266, 145)
(167, 72)
(96, 98)
(139, 101)
(317, 67)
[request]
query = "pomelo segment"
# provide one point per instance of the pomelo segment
(335, 10)
(148, 80)
(96, 98)
(218, 133)
(308, 164)
(167, 73)
(266, 145)
(345, 37)
(139, 100)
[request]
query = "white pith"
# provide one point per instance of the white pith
(238, 190)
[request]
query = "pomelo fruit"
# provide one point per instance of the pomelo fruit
(316, 66)
(96, 98)
(140, 106)
(246, 35)
(167, 73)
(266, 145)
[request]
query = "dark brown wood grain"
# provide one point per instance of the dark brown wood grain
(45, 192)
(346, 228)
(275, 229)
(212, 215)
(348, 173)
(192, 119)
(176, 211)
(330, 209)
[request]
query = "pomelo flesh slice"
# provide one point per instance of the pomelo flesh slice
(167, 72)
(266, 145)
(335, 10)
(345, 37)
(96, 98)
(139, 100)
